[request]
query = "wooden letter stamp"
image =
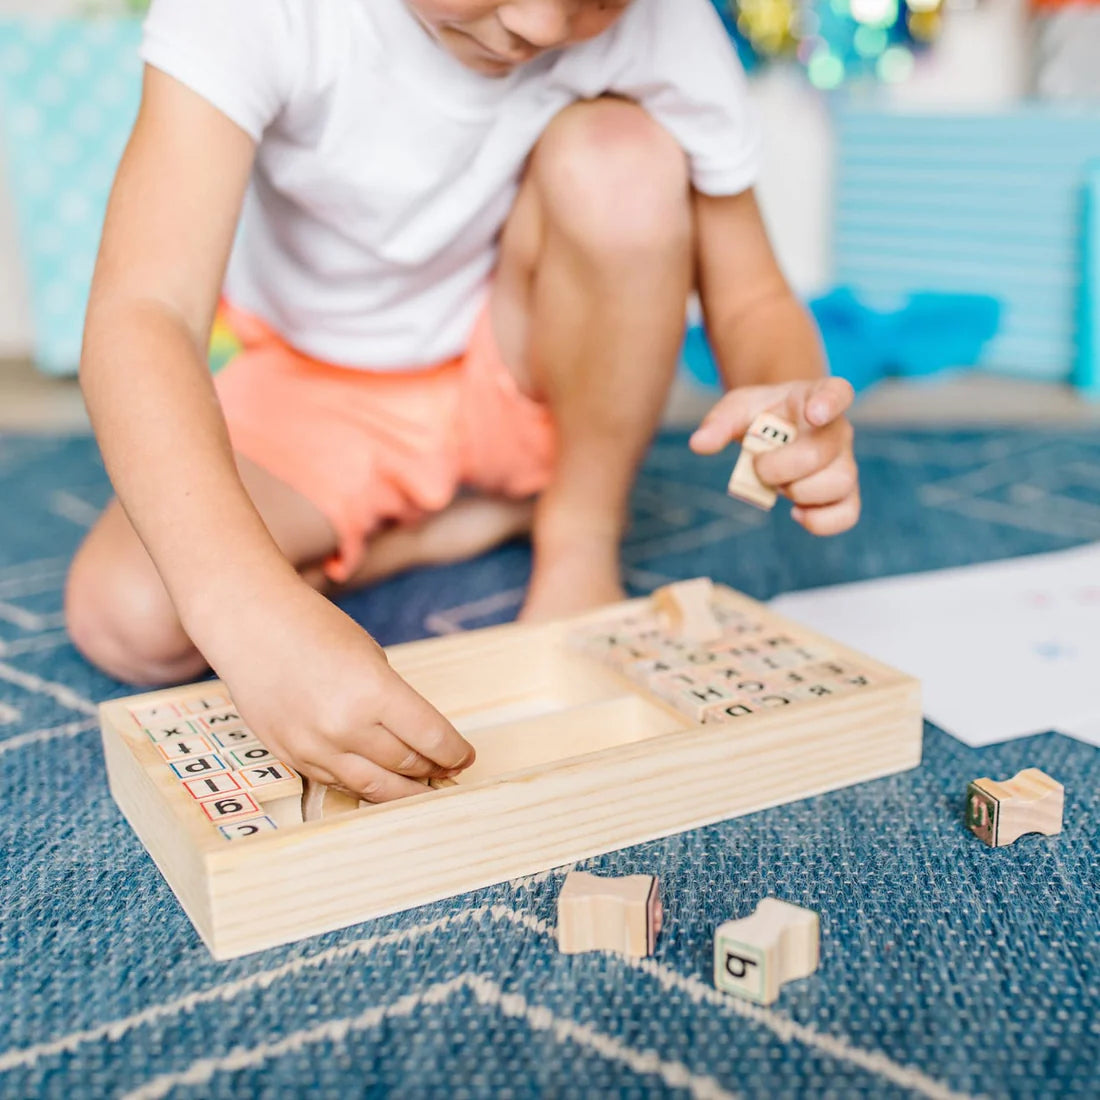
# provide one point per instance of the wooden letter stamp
(211, 786)
(687, 610)
(1000, 813)
(767, 432)
(229, 807)
(609, 914)
(250, 826)
(754, 956)
(319, 801)
(277, 788)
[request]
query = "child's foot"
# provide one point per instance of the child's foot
(470, 526)
(577, 580)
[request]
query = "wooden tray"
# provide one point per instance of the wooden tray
(575, 758)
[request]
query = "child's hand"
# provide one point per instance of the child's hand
(320, 694)
(818, 470)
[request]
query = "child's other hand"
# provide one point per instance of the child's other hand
(320, 694)
(818, 470)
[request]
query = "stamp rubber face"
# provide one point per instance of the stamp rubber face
(981, 814)
(740, 968)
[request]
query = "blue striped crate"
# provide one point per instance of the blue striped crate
(988, 204)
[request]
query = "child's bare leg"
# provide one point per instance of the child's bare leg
(117, 609)
(121, 618)
(596, 267)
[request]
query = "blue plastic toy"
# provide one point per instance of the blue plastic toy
(931, 332)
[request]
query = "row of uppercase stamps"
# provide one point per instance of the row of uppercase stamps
(714, 698)
(639, 635)
(721, 681)
(641, 650)
(218, 760)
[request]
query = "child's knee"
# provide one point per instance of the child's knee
(123, 622)
(612, 175)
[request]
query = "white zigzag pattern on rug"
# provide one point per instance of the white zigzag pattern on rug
(674, 1074)
(59, 693)
(51, 733)
(782, 1027)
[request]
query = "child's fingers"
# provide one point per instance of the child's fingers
(834, 483)
(829, 519)
(838, 481)
(806, 404)
(826, 401)
(807, 455)
(370, 781)
(731, 417)
(383, 747)
(415, 721)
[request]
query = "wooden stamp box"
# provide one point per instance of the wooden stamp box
(592, 734)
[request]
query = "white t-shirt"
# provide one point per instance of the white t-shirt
(386, 169)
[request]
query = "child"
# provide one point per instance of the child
(456, 238)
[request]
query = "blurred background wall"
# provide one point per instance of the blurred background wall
(980, 61)
(836, 213)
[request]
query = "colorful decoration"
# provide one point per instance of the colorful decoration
(836, 41)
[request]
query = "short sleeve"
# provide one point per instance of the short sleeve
(237, 54)
(682, 67)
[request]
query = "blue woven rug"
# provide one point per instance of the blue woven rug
(947, 969)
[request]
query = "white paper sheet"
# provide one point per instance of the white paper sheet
(1003, 650)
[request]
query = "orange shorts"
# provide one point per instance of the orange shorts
(372, 448)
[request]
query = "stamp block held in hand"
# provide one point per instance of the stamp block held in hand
(767, 432)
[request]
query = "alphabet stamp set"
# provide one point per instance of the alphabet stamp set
(622, 725)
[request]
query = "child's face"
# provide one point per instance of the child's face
(494, 36)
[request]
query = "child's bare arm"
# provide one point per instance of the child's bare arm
(309, 680)
(770, 356)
